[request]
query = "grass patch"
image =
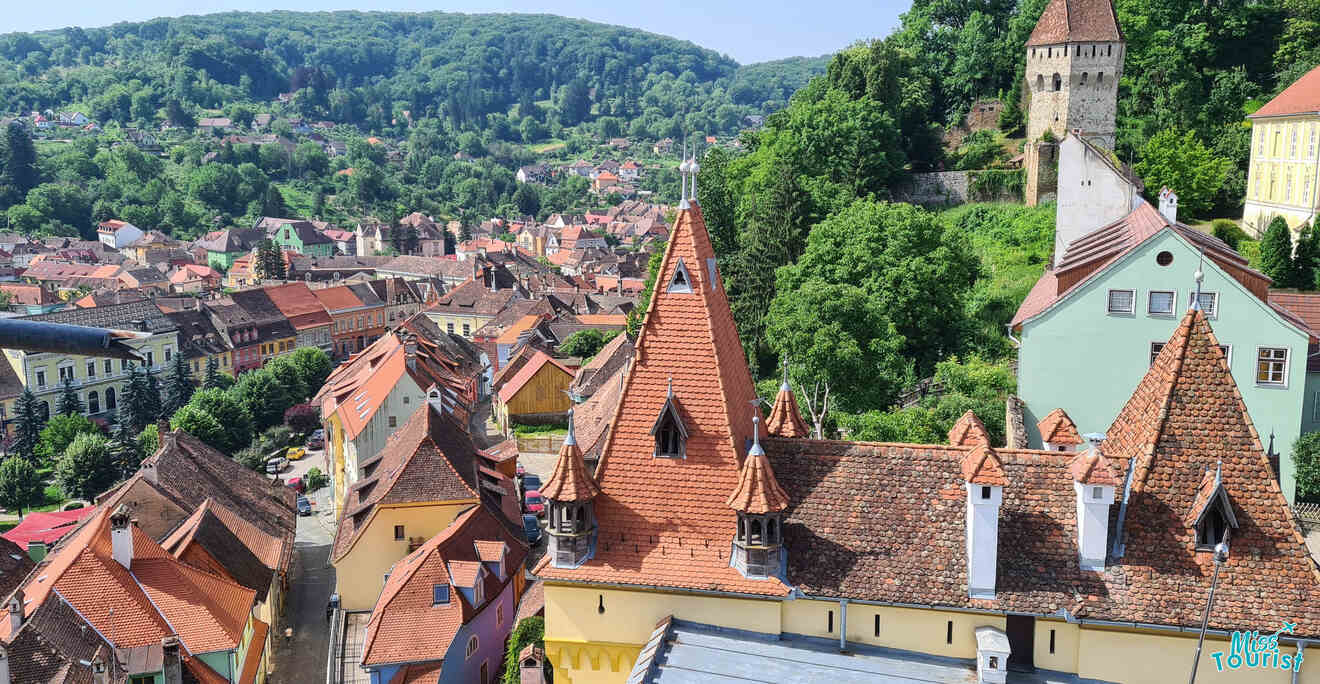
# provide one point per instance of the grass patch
(53, 498)
(8, 525)
(551, 146)
(548, 429)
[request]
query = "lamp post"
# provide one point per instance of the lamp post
(1221, 556)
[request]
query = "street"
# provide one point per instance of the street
(302, 658)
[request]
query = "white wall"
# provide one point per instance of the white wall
(1090, 195)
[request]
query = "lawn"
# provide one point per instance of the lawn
(546, 147)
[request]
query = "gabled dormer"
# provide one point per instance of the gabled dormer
(492, 555)
(469, 577)
(669, 431)
(1211, 516)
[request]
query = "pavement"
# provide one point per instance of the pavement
(1313, 541)
(302, 658)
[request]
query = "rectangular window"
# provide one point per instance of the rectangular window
(1208, 301)
(151, 359)
(1120, 301)
(1272, 366)
(1155, 348)
(499, 615)
(1051, 641)
(467, 330)
(948, 632)
(1228, 353)
(1160, 303)
(398, 531)
(168, 354)
(66, 373)
(877, 625)
(439, 594)
(91, 369)
(41, 378)
(829, 621)
(394, 421)
(107, 367)
(450, 328)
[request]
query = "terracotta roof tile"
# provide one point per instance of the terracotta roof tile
(1075, 21)
(969, 431)
(982, 467)
(570, 481)
(1090, 467)
(1057, 428)
(785, 420)
(757, 492)
(1302, 97)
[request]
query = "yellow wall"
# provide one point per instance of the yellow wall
(542, 393)
(1282, 178)
(360, 574)
(444, 319)
(335, 456)
(1155, 658)
(26, 366)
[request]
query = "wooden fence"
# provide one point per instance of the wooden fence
(1308, 512)
(540, 444)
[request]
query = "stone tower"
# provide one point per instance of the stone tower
(1074, 60)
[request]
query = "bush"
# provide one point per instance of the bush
(1228, 231)
(252, 457)
(586, 343)
(20, 486)
(87, 467)
(273, 438)
(316, 479)
(59, 433)
(149, 439)
(1306, 457)
(530, 630)
(302, 418)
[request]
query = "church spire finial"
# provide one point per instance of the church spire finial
(571, 439)
(1198, 277)
(783, 386)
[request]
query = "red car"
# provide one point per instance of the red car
(296, 484)
(533, 503)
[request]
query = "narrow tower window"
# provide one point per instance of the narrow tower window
(1058, 83)
(1084, 75)
(681, 280)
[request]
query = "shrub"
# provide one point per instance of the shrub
(252, 457)
(1306, 457)
(1228, 231)
(302, 418)
(316, 479)
(530, 630)
(273, 438)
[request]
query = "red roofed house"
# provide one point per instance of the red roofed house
(195, 278)
(464, 585)
(306, 314)
(1284, 163)
(536, 393)
(117, 234)
(39, 531)
(701, 548)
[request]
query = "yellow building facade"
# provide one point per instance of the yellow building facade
(1284, 177)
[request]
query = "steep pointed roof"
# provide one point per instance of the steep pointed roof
(758, 492)
(569, 481)
(982, 467)
(1076, 21)
(1185, 417)
(1058, 428)
(785, 419)
(688, 335)
(969, 431)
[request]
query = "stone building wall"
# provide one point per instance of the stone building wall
(1093, 91)
(1048, 107)
(942, 188)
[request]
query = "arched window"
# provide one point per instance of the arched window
(110, 403)
(1058, 83)
(1084, 75)
(771, 532)
(1040, 82)
(472, 645)
(754, 537)
(93, 402)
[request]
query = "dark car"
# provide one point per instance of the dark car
(304, 506)
(315, 442)
(532, 528)
(530, 481)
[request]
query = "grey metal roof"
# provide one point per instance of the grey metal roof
(681, 652)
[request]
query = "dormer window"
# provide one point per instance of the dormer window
(681, 281)
(1212, 513)
(669, 431)
(1213, 529)
(439, 594)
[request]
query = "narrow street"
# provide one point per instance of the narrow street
(301, 659)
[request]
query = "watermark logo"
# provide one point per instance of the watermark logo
(1253, 650)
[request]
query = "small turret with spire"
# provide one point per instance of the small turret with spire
(760, 503)
(569, 493)
(785, 419)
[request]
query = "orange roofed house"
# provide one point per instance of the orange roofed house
(532, 390)
(706, 547)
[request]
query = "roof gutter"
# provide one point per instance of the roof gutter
(1017, 343)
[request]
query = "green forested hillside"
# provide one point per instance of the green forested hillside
(483, 72)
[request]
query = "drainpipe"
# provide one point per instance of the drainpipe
(843, 626)
(1301, 646)
(1017, 344)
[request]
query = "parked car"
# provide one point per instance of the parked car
(530, 481)
(276, 465)
(315, 442)
(295, 453)
(532, 527)
(296, 484)
(521, 470)
(304, 506)
(533, 503)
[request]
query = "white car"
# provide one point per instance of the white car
(276, 465)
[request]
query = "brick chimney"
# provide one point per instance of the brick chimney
(121, 536)
(410, 350)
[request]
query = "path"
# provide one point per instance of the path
(303, 659)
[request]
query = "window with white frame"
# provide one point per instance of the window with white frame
(91, 369)
(1227, 349)
(1272, 366)
(1209, 302)
(41, 378)
(472, 645)
(1160, 303)
(66, 373)
(1121, 301)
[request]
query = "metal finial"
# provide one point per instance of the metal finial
(671, 386)
(756, 449)
(571, 439)
(783, 386)
(1219, 471)
(1198, 277)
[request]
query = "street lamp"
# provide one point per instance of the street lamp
(1221, 557)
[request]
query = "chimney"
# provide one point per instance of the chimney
(100, 673)
(410, 350)
(15, 612)
(173, 666)
(4, 665)
(1093, 482)
(983, 475)
(1169, 205)
(121, 536)
(488, 276)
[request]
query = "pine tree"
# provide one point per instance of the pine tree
(212, 378)
(1276, 254)
(1305, 259)
(28, 424)
(131, 401)
(152, 404)
(179, 386)
(68, 403)
(124, 445)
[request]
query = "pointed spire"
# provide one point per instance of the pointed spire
(569, 481)
(758, 492)
(785, 419)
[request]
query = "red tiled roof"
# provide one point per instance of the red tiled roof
(969, 431)
(450, 559)
(1090, 467)
(1302, 97)
(299, 304)
(539, 359)
(758, 492)
(1076, 21)
(569, 481)
(1058, 428)
(785, 420)
(688, 339)
(47, 527)
(428, 458)
(338, 298)
(981, 466)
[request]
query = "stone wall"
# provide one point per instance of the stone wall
(1041, 161)
(942, 188)
(1086, 94)
(983, 116)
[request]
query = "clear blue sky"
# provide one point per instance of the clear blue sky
(747, 30)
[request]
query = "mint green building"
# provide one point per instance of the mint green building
(1091, 327)
(302, 237)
